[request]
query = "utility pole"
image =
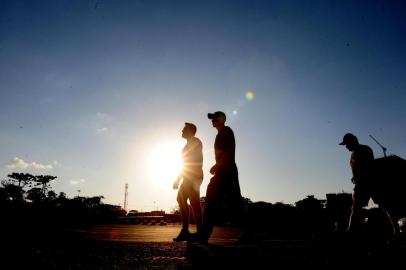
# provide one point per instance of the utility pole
(383, 147)
(125, 197)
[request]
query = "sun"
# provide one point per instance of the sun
(164, 163)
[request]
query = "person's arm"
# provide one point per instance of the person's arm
(177, 181)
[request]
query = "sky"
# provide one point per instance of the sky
(92, 91)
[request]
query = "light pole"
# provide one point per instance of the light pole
(125, 197)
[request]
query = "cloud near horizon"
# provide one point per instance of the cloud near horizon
(102, 129)
(76, 182)
(18, 163)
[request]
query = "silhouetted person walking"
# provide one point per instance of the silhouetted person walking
(224, 184)
(192, 176)
(361, 160)
(365, 184)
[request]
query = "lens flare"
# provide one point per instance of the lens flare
(249, 95)
(164, 163)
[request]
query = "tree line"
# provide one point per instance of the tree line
(30, 199)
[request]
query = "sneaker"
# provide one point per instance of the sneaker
(182, 236)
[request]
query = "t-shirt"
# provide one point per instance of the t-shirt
(192, 156)
(361, 161)
(224, 148)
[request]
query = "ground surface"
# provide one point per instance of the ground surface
(127, 246)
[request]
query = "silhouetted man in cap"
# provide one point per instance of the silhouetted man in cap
(361, 161)
(224, 184)
(192, 175)
(365, 184)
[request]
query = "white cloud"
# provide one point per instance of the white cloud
(18, 163)
(39, 166)
(101, 122)
(76, 182)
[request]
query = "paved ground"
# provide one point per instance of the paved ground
(115, 246)
(154, 233)
(125, 246)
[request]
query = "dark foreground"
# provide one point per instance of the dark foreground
(119, 247)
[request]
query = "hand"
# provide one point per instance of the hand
(177, 181)
(175, 185)
(213, 169)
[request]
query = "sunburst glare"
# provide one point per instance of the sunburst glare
(164, 163)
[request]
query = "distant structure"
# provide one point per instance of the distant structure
(125, 197)
(154, 217)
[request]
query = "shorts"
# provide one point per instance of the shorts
(360, 196)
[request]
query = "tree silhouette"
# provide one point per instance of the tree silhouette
(13, 192)
(13, 187)
(44, 181)
(312, 214)
(51, 195)
(35, 195)
(310, 204)
(19, 179)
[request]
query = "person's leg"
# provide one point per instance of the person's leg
(183, 207)
(360, 199)
(213, 196)
(184, 211)
(194, 199)
(239, 217)
(236, 200)
(393, 219)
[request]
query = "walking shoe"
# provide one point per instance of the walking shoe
(182, 236)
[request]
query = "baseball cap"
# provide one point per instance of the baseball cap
(216, 115)
(348, 138)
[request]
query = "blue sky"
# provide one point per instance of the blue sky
(88, 88)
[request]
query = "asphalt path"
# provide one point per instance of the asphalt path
(154, 233)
